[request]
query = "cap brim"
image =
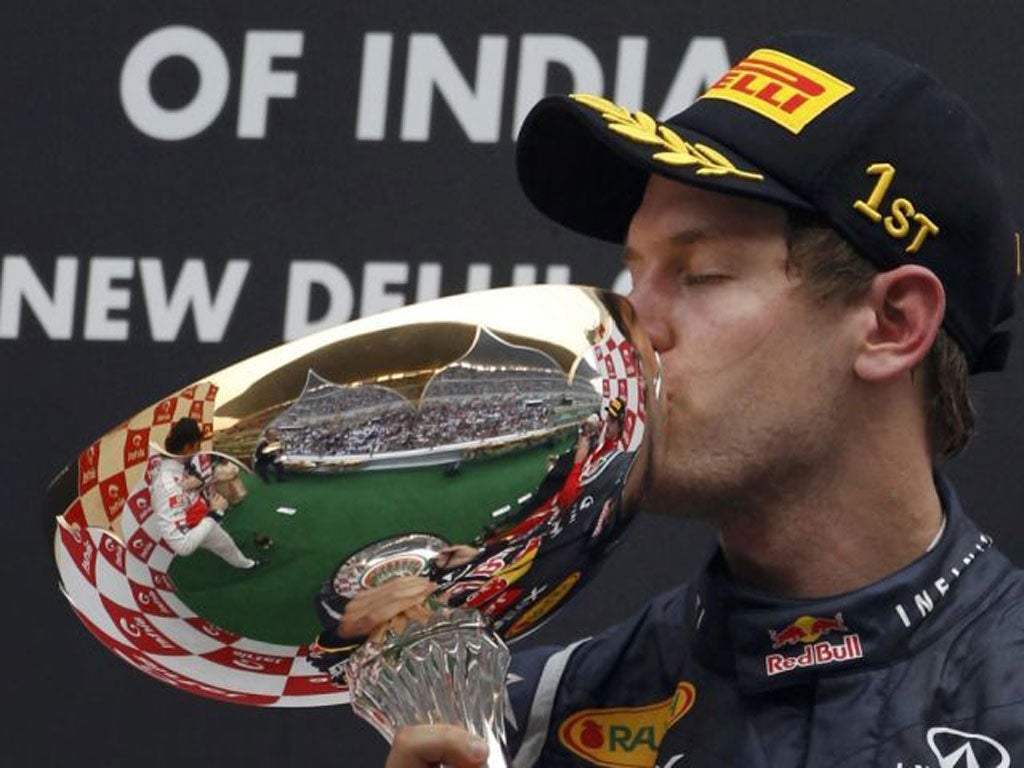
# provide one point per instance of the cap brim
(584, 162)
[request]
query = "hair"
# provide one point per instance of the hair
(184, 432)
(832, 270)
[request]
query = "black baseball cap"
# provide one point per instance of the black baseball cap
(890, 158)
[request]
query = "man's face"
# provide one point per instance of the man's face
(754, 372)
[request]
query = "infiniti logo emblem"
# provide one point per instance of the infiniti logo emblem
(957, 749)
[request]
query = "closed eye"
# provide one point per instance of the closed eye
(704, 278)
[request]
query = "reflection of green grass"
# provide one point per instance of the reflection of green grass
(336, 516)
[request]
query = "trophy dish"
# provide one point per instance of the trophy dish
(408, 492)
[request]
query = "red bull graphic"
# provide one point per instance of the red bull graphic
(808, 631)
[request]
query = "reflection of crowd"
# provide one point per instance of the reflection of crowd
(462, 380)
(402, 428)
(325, 402)
(464, 403)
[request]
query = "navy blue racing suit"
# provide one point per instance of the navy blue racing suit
(924, 668)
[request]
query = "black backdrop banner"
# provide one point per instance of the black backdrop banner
(185, 184)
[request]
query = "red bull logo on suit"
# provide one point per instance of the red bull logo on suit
(808, 631)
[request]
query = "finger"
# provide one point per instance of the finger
(423, 746)
(444, 557)
(382, 612)
(372, 608)
(397, 591)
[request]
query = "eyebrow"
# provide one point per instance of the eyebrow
(683, 237)
(691, 235)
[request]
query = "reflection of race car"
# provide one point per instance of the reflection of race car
(517, 578)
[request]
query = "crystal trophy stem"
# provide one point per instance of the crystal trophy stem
(449, 668)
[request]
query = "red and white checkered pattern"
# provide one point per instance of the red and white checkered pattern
(113, 569)
(117, 461)
(617, 362)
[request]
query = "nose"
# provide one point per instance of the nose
(653, 314)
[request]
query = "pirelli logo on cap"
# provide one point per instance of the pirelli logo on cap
(786, 90)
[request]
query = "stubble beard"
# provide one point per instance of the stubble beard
(719, 481)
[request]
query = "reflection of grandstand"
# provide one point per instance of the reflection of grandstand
(322, 401)
(497, 394)
(332, 420)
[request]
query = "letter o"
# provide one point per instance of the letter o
(193, 118)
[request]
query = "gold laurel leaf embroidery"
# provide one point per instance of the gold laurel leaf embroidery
(714, 172)
(609, 109)
(642, 128)
(677, 158)
(720, 164)
(672, 139)
(712, 156)
(635, 133)
(647, 123)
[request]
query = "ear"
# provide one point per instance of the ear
(907, 305)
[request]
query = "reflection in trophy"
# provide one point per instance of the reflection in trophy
(419, 661)
(469, 462)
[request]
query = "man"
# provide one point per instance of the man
(820, 253)
(186, 520)
(594, 452)
(268, 457)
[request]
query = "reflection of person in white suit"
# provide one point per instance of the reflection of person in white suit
(186, 520)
